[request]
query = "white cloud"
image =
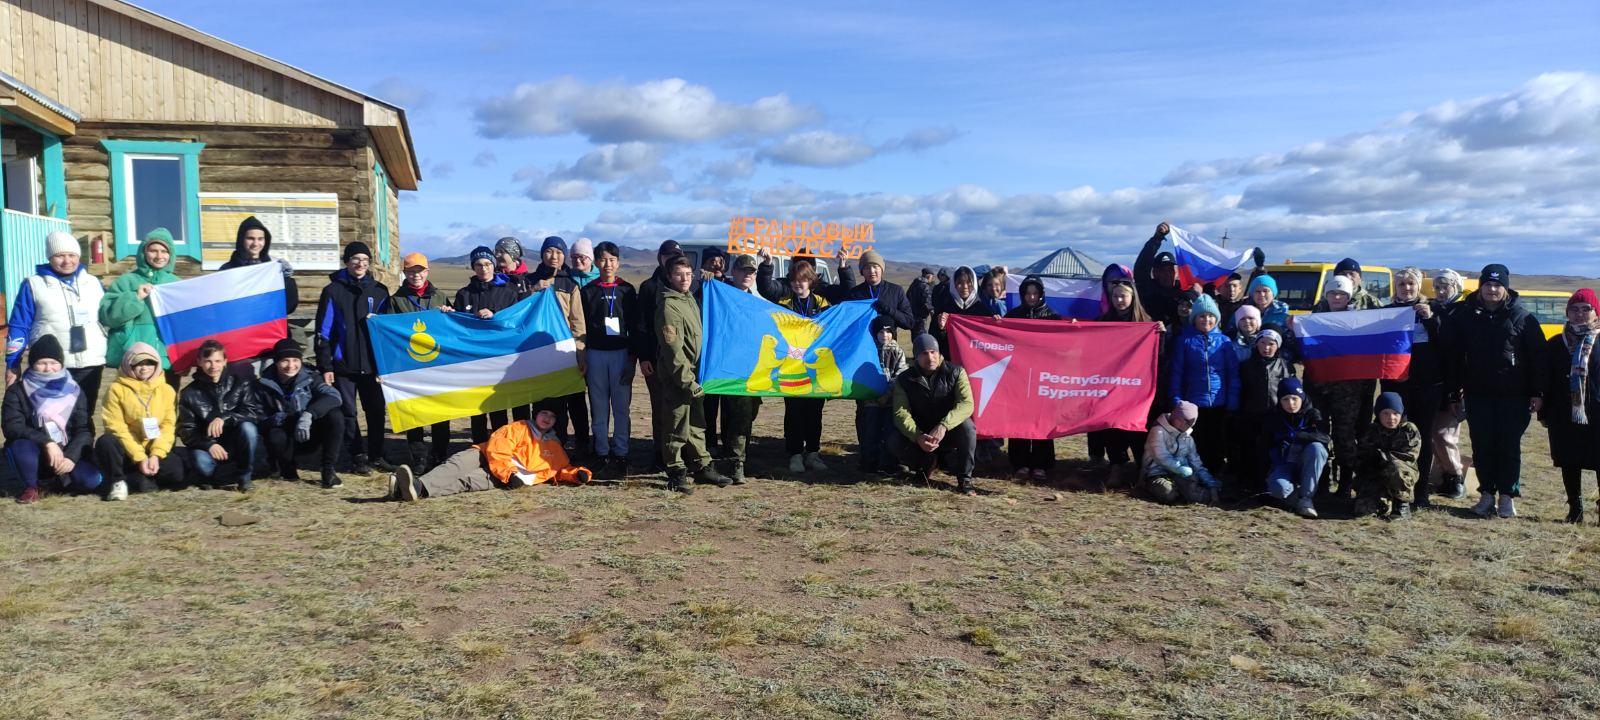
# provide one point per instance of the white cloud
(818, 148)
(485, 158)
(611, 112)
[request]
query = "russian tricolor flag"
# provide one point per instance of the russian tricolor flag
(1200, 261)
(1069, 297)
(1356, 344)
(242, 308)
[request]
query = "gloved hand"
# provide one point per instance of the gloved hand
(1259, 256)
(302, 428)
(1185, 471)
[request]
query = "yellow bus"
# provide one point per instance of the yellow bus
(1300, 284)
(1549, 306)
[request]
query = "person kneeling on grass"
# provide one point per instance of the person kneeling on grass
(1172, 467)
(1388, 460)
(933, 416)
(518, 455)
(299, 411)
(140, 415)
(46, 424)
(217, 414)
(1297, 437)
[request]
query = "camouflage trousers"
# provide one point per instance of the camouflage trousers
(1348, 405)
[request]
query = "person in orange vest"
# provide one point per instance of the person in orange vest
(520, 454)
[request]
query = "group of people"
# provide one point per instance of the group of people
(1230, 418)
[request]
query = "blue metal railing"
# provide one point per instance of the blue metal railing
(22, 248)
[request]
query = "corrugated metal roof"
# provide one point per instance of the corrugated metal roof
(39, 97)
(1066, 262)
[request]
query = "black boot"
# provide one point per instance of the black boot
(678, 481)
(708, 475)
(1399, 511)
(736, 473)
(330, 479)
(358, 465)
(1573, 480)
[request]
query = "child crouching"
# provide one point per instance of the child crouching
(518, 455)
(1388, 457)
(1172, 467)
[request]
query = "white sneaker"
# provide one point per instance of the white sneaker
(814, 461)
(1485, 505)
(797, 463)
(1508, 509)
(119, 491)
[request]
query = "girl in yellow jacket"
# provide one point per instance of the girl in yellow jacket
(518, 455)
(140, 415)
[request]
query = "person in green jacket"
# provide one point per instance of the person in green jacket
(125, 309)
(677, 325)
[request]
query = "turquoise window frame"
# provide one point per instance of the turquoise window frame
(380, 194)
(189, 155)
(54, 168)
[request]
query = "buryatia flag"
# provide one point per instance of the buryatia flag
(1069, 297)
(754, 347)
(1356, 344)
(437, 366)
(242, 308)
(1200, 261)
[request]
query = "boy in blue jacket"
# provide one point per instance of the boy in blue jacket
(1205, 371)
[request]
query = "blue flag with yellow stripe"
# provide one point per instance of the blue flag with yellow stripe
(754, 347)
(438, 366)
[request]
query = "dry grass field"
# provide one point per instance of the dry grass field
(830, 595)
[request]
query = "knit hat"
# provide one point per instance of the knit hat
(923, 343)
(584, 247)
(1246, 311)
(1205, 305)
(1389, 401)
(160, 235)
(1583, 295)
(286, 348)
(480, 253)
(1270, 334)
(508, 245)
(882, 323)
(61, 241)
(713, 252)
(554, 241)
(1186, 410)
(1449, 276)
(1495, 272)
(668, 247)
(1347, 265)
(47, 346)
(1292, 386)
(871, 257)
(356, 248)
(1261, 280)
(415, 260)
(1339, 283)
(927, 271)
(746, 261)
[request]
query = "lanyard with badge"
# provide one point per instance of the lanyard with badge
(77, 337)
(152, 426)
(613, 322)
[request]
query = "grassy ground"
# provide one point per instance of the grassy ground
(825, 596)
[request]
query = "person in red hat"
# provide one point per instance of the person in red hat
(1571, 409)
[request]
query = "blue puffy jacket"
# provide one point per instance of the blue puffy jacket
(1205, 370)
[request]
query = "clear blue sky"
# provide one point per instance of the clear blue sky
(1435, 133)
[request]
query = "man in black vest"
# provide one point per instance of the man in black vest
(933, 412)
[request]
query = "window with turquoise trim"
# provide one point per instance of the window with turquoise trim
(380, 194)
(155, 184)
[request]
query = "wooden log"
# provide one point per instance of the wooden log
(279, 156)
(87, 188)
(272, 174)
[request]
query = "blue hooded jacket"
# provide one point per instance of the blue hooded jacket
(1205, 367)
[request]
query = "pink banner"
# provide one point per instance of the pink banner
(1041, 379)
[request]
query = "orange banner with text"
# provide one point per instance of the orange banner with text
(812, 238)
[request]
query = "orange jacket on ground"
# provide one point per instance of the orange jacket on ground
(540, 454)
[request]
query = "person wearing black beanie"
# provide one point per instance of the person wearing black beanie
(45, 417)
(344, 352)
(1499, 371)
(46, 347)
(299, 412)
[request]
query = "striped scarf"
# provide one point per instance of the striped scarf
(1580, 342)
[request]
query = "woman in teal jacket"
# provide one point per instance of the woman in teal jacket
(125, 310)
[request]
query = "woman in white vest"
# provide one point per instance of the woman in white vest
(61, 299)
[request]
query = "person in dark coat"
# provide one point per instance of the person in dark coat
(1571, 408)
(1422, 392)
(960, 297)
(1155, 276)
(1297, 437)
(217, 414)
(887, 298)
(299, 412)
(554, 275)
(611, 308)
(508, 261)
(933, 416)
(649, 349)
(486, 293)
(920, 296)
(415, 295)
(1032, 459)
(1500, 375)
(1119, 302)
(344, 352)
(1260, 376)
(45, 418)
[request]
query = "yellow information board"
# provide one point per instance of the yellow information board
(304, 227)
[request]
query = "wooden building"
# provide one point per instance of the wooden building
(115, 120)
